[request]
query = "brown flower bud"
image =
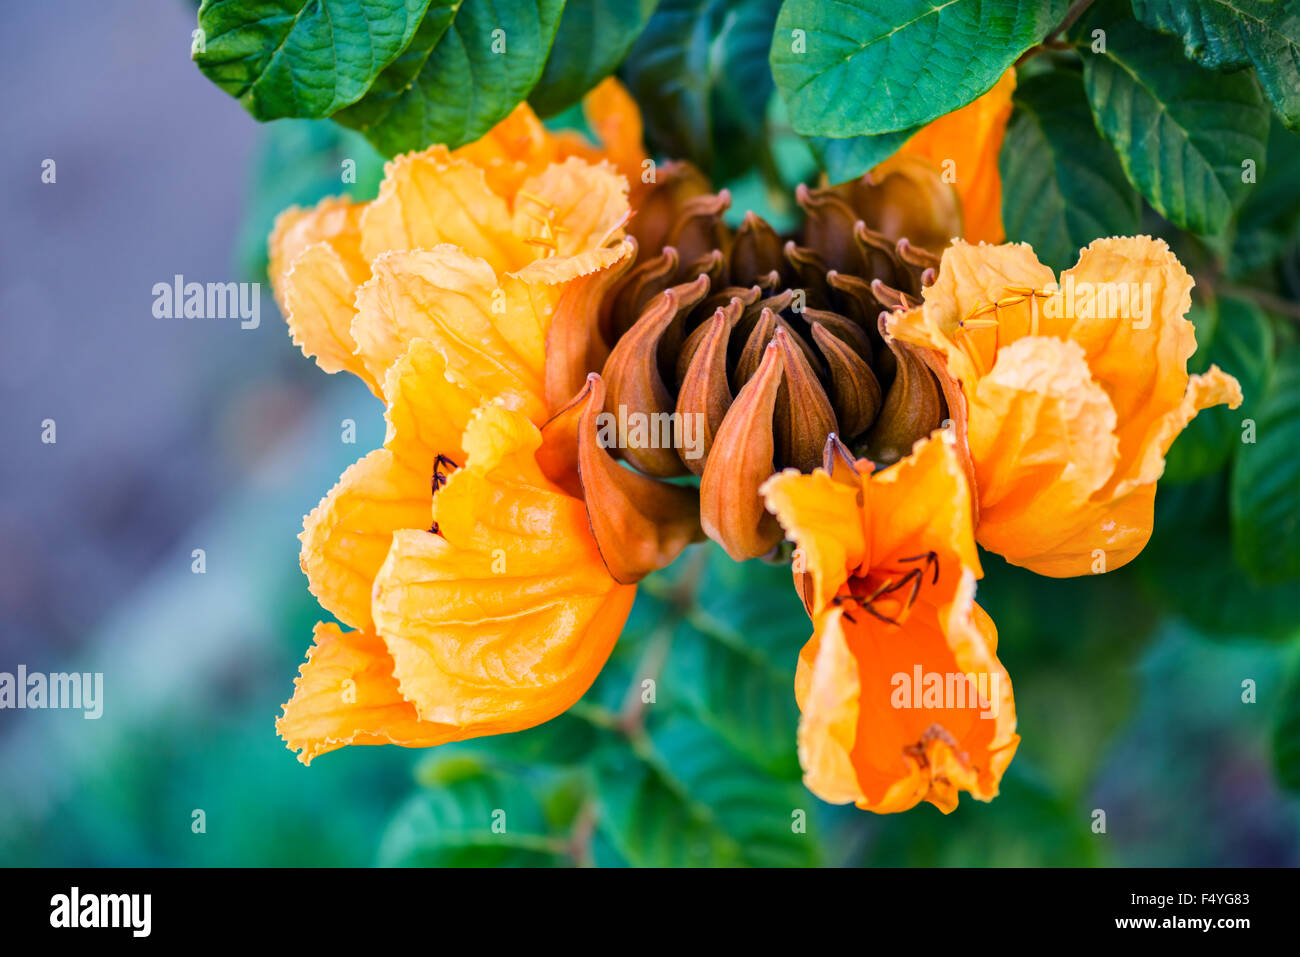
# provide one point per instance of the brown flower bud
(750, 349)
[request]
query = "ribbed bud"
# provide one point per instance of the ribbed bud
(746, 350)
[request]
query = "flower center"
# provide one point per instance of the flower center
(889, 594)
(988, 315)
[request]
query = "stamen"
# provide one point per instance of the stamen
(440, 477)
(914, 577)
(439, 480)
(545, 204)
(968, 346)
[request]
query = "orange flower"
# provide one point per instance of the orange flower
(1074, 392)
(903, 698)
(967, 142)
(461, 551)
(536, 208)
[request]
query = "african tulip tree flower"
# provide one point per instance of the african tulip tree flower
(970, 139)
(902, 696)
(484, 598)
(1074, 392)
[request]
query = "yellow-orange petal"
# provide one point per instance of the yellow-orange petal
(490, 328)
(316, 267)
(826, 521)
(570, 207)
(1139, 356)
(615, 118)
(427, 410)
(346, 538)
(828, 726)
(886, 720)
(335, 220)
(504, 619)
(1042, 437)
(346, 695)
(515, 149)
(971, 139)
(970, 277)
(432, 197)
(925, 505)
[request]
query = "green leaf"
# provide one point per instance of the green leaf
(1223, 34)
(1269, 219)
(737, 692)
(1182, 133)
(1063, 185)
(700, 74)
(1265, 490)
(302, 58)
(848, 158)
(688, 799)
(593, 38)
(391, 84)
(860, 67)
(1240, 342)
(1189, 563)
(455, 83)
(1286, 733)
(473, 816)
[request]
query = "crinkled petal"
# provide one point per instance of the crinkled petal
(970, 276)
(571, 207)
(1042, 436)
(504, 619)
(1139, 356)
(432, 197)
(925, 505)
(515, 149)
(316, 267)
(490, 329)
(346, 694)
(427, 410)
(346, 537)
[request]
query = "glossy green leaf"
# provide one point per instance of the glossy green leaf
(593, 38)
(1222, 34)
(862, 67)
(686, 798)
(1182, 133)
(699, 72)
(301, 58)
(471, 816)
(1063, 185)
(1269, 219)
(1265, 491)
(848, 158)
(452, 86)
(391, 84)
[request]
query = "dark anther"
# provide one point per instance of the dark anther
(931, 558)
(439, 476)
